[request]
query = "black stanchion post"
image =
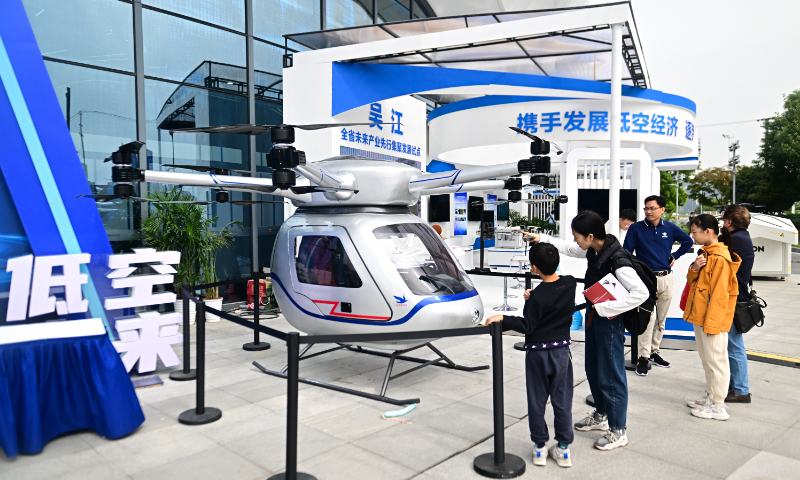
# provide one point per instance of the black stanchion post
(292, 382)
(498, 464)
(256, 345)
(528, 285)
(186, 373)
(200, 415)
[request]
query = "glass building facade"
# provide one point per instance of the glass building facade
(127, 70)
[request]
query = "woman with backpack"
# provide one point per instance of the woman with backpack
(605, 337)
(710, 305)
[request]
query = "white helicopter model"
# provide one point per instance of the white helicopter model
(353, 259)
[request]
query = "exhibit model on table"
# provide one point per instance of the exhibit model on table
(353, 259)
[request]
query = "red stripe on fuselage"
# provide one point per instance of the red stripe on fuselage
(347, 315)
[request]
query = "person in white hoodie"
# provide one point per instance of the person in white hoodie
(605, 337)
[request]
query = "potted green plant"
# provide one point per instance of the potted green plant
(184, 227)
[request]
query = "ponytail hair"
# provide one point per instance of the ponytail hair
(589, 223)
(706, 221)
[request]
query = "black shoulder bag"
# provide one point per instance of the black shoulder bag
(749, 314)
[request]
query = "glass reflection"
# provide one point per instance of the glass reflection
(174, 48)
(273, 18)
(102, 117)
(85, 31)
(227, 13)
(393, 10)
(347, 13)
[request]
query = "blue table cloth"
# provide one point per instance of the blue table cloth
(52, 387)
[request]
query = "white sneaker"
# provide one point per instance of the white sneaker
(540, 456)
(612, 440)
(561, 455)
(711, 411)
(594, 421)
(699, 402)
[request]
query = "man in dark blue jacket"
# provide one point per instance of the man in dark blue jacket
(652, 240)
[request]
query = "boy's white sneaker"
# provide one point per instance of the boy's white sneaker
(562, 456)
(540, 456)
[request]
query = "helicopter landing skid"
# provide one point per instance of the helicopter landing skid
(442, 361)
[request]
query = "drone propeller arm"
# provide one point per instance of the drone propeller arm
(319, 176)
(226, 182)
(466, 187)
(427, 181)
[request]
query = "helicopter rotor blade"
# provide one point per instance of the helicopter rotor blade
(320, 126)
(203, 168)
(251, 202)
(527, 134)
(250, 129)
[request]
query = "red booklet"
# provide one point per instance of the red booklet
(607, 289)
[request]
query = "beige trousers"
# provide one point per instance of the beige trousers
(650, 340)
(713, 350)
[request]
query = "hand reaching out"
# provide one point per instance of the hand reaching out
(535, 237)
(491, 320)
(527, 294)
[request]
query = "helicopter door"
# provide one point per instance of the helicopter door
(327, 269)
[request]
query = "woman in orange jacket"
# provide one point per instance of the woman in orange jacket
(710, 306)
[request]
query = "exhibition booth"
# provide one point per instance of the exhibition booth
(395, 126)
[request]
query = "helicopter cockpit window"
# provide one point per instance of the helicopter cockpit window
(422, 259)
(322, 260)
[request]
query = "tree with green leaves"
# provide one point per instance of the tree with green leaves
(780, 157)
(711, 186)
(186, 228)
(747, 180)
(668, 192)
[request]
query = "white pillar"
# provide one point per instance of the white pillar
(655, 187)
(615, 114)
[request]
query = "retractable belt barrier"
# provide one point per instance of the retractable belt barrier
(496, 465)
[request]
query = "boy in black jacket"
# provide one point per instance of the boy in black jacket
(548, 362)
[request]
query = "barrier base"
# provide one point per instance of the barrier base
(181, 376)
(590, 400)
(513, 467)
(256, 347)
(300, 476)
(190, 417)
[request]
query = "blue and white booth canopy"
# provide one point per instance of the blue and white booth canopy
(546, 71)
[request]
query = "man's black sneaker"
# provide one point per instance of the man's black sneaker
(656, 360)
(641, 367)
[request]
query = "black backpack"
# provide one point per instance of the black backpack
(637, 319)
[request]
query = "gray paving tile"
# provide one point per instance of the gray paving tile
(216, 463)
(515, 402)
(241, 422)
(268, 449)
(64, 445)
(453, 386)
(350, 423)
(311, 402)
(414, 446)
(767, 465)
(348, 462)
(694, 451)
(213, 398)
(89, 465)
(463, 420)
(768, 410)
(137, 453)
(787, 444)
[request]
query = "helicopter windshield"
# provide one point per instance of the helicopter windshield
(422, 259)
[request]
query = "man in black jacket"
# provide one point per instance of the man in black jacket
(548, 361)
(736, 219)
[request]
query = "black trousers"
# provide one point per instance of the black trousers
(548, 374)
